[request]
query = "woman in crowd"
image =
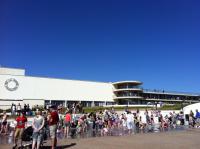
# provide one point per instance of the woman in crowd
(141, 124)
(67, 122)
(191, 119)
(38, 125)
(4, 126)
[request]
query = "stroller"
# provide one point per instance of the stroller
(73, 129)
(26, 138)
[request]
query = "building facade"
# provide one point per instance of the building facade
(16, 87)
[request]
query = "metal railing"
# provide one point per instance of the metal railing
(169, 92)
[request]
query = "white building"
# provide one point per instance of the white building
(16, 87)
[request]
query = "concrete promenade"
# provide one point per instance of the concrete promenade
(186, 139)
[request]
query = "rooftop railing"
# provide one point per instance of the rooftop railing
(169, 92)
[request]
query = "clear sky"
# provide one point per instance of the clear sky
(154, 41)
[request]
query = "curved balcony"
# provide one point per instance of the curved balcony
(127, 97)
(127, 82)
(127, 100)
(127, 91)
(127, 85)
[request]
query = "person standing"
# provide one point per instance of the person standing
(174, 119)
(19, 109)
(197, 117)
(38, 125)
(67, 123)
(37, 108)
(60, 123)
(191, 119)
(53, 122)
(130, 122)
(4, 126)
(21, 124)
(28, 109)
(73, 108)
(25, 109)
(181, 117)
(124, 123)
(13, 109)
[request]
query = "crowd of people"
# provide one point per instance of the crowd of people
(17, 108)
(42, 123)
(194, 120)
(53, 122)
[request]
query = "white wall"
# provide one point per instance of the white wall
(11, 71)
(56, 89)
(6, 104)
(192, 107)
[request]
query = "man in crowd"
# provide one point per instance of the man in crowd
(19, 109)
(21, 124)
(13, 109)
(197, 116)
(53, 122)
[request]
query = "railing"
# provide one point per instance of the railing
(127, 87)
(132, 87)
(128, 90)
(169, 92)
(128, 96)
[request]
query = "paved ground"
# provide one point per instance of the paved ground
(187, 139)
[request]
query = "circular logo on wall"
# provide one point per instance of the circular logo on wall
(11, 84)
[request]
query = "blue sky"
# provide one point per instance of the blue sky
(154, 41)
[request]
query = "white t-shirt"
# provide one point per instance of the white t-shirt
(13, 108)
(124, 123)
(19, 107)
(38, 121)
(130, 117)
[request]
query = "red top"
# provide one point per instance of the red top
(21, 121)
(67, 117)
(54, 118)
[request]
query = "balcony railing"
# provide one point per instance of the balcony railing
(127, 89)
(127, 97)
(170, 92)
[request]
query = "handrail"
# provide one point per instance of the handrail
(168, 92)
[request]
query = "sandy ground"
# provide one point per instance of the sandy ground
(187, 139)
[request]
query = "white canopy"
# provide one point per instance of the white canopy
(192, 107)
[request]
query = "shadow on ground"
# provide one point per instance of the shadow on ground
(60, 147)
(48, 147)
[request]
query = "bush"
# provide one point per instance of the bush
(173, 107)
(94, 109)
(165, 107)
(40, 108)
(7, 110)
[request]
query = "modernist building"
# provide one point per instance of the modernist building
(16, 87)
(127, 92)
